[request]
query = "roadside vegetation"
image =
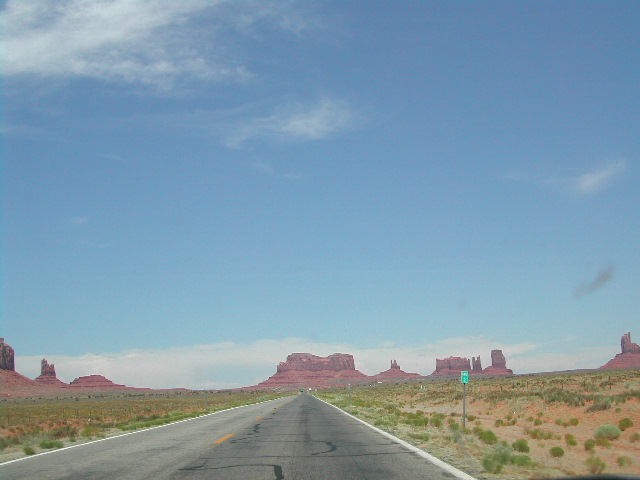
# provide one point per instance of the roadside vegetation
(517, 427)
(30, 425)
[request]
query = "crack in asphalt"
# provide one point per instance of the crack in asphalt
(277, 469)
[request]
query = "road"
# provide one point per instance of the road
(297, 437)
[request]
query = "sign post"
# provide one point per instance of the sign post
(464, 378)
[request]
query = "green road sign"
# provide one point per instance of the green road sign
(464, 377)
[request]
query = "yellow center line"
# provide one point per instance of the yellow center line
(226, 437)
(259, 418)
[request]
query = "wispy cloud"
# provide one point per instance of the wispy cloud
(79, 220)
(593, 182)
(156, 43)
(602, 277)
(298, 122)
(229, 365)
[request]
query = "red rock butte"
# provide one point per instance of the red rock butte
(628, 358)
(307, 370)
(455, 365)
(48, 375)
(394, 373)
(7, 359)
(498, 364)
(451, 366)
(95, 381)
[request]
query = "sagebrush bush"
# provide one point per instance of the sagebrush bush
(521, 460)
(570, 440)
(624, 461)
(610, 432)
(521, 445)
(436, 422)
(488, 437)
(494, 461)
(29, 451)
(625, 423)
(51, 444)
(590, 444)
(600, 403)
(595, 465)
(556, 452)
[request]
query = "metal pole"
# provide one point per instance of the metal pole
(464, 405)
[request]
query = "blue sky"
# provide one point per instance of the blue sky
(213, 185)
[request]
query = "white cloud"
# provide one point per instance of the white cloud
(592, 182)
(229, 365)
(298, 122)
(149, 42)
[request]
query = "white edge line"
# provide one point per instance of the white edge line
(436, 461)
(131, 433)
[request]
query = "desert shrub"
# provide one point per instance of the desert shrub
(499, 422)
(454, 427)
(610, 432)
(625, 423)
(436, 422)
(624, 461)
(573, 421)
(556, 452)
(8, 441)
(595, 465)
(494, 461)
(558, 395)
(634, 437)
(420, 436)
(64, 431)
(521, 445)
(539, 434)
(537, 422)
(29, 451)
(603, 442)
(90, 431)
(51, 444)
(570, 440)
(590, 444)
(471, 418)
(521, 460)
(559, 421)
(488, 437)
(600, 403)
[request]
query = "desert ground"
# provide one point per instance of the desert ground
(542, 426)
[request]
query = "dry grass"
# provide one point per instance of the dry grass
(30, 425)
(547, 411)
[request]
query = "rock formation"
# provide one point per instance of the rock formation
(394, 373)
(48, 375)
(7, 357)
(630, 356)
(95, 381)
(477, 366)
(627, 345)
(307, 370)
(498, 364)
(301, 362)
(451, 366)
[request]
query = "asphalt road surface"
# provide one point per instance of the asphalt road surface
(296, 437)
